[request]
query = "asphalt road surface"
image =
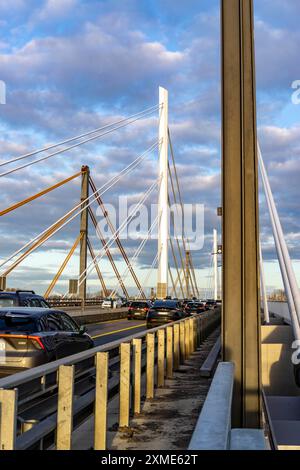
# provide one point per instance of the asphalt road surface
(113, 330)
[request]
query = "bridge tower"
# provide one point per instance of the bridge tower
(241, 297)
(85, 175)
(163, 224)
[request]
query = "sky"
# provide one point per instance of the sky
(71, 66)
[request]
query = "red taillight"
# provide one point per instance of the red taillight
(38, 340)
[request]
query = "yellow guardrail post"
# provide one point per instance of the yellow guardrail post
(124, 385)
(176, 347)
(195, 333)
(169, 352)
(191, 322)
(137, 358)
(182, 342)
(161, 358)
(8, 414)
(101, 395)
(64, 426)
(187, 338)
(150, 365)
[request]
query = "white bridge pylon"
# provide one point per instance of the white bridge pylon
(163, 226)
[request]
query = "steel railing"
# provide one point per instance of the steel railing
(73, 302)
(37, 406)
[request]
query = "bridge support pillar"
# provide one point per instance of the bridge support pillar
(2, 283)
(163, 224)
(85, 175)
(241, 303)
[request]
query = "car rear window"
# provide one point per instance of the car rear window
(7, 301)
(14, 323)
(167, 304)
(139, 304)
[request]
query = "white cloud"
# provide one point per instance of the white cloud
(53, 10)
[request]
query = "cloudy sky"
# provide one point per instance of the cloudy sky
(71, 66)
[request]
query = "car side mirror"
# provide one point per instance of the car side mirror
(82, 330)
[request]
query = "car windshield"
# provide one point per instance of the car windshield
(7, 301)
(17, 323)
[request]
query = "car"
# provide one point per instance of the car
(111, 303)
(139, 309)
(211, 304)
(164, 311)
(194, 308)
(22, 298)
(31, 336)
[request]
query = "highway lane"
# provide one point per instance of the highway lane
(109, 331)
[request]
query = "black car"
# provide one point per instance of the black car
(211, 304)
(138, 310)
(194, 308)
(30, 337)
(22, 298)
(164, 311)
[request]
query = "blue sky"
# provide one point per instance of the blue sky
(73, 65)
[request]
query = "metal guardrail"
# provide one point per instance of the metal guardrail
(74, 302)
(38, 408)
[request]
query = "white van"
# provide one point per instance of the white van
(111, 303)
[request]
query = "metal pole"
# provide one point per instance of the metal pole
(241, 297)
(263, 286)
(163, 226)
(282, 243)
(287, 288)
(85, 175)
(215, 257)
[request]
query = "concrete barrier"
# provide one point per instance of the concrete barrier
(96, 315)
(212, 431)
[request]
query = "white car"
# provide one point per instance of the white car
(111, 303)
